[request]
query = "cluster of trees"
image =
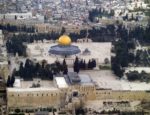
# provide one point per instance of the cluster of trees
(58, 67)
(123, 57)
(125, 45)
(132, 18)
(94, 13)
(82, 65)
(91, 64)
(112, 32)
(29, 70)
(15, 45)
(142, 58)
(136, 76)
(80, 111)
(124, 50)
(102, 34)
(14, 28)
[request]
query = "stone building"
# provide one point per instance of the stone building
(71, 91)
(66, 93)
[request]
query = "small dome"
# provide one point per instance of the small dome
(64, 40)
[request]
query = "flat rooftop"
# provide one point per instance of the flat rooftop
(61, 82)
(31, 89)
(107, 80)
(20, 83)
(81, 79)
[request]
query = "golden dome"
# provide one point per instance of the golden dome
(64, 40)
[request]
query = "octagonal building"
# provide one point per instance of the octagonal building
(64, 47)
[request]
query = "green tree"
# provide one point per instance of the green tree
(8, 81)
(76, 65)
(63, 30)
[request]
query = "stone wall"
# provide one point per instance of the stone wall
(33, 99)
(87, 91)
(122, 95)
(56, 98)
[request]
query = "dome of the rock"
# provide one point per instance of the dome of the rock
(64, 40)
(64, 47)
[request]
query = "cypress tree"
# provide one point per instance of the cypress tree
(8, 81)
(76, 65)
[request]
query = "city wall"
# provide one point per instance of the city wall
(33, 99)
(55, 98)
(122, 95)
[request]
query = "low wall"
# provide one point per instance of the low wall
(33, 99)
(123, 95)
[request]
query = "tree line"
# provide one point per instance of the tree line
(137, 76)
(122, 38)
(94, 13)
(45, 71)
(82, 65)
(124, 49)
(14, 28)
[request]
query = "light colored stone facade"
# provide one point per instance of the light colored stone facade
(33, 99)
(17, 98)
(122, 95)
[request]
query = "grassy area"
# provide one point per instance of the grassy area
(104, 67)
